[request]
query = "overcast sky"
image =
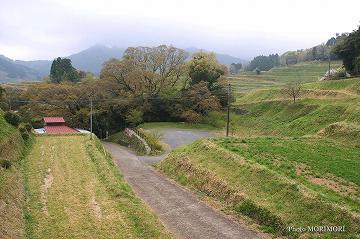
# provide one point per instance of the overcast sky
(44, 29)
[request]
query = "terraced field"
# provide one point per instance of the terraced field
(303, 72)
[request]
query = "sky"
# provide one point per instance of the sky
(45, 29)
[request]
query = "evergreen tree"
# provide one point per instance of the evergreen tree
(348, 49)
(62, 70)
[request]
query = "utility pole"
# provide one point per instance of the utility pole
(91, 117)
(329, 62)
(228, 110)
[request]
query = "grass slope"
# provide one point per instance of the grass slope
(12, 194)
(302, 72)
(322, 104)
(258, 178)
(76, 191)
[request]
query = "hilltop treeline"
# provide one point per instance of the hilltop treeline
(320, 52)
(147, 84)
(264, 63)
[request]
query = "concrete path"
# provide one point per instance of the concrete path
(175, 138)
(179, 210)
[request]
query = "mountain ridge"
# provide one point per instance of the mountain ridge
(90, 60)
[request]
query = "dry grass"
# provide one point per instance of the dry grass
(77, 192)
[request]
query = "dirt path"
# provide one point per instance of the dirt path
(179, 210)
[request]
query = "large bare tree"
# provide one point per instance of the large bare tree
(146, 70)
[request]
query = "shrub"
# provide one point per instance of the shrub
(12, 118)
(151, 138)
(5, 163)
(36, 123)
(191, 116)
(25, 134)
(28, 127)
(216, 119)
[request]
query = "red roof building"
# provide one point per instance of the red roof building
(57, 125)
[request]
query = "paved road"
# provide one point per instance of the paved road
(175, 138)
(179, 210)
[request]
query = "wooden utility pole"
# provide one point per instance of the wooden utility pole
(228, 110)
(91, 117)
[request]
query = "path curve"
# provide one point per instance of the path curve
(179, 210)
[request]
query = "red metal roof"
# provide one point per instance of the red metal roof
(59, 130)
(54, 120)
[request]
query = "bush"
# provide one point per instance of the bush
(216, 119)
(36, 123)
(191, 116)
(12, 118)
(25, 133)
(5, 163)
(151, 138)
(28, 127)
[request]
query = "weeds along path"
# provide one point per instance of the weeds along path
(174, 138)
(179, 210)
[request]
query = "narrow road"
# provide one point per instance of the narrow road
(175, 138)
(179, 210)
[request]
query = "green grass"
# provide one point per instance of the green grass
(304, 72)
(290, 164)
(270, 112)
(76, 191)
(177, 125)
(12, 195)
(257, 178)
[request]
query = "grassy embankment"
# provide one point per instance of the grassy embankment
(77, 191)
(304, 72)
(12, 191)
(293, 165)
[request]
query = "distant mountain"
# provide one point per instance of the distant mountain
(40, 66)
(10, 71)
(94, 57)
(222, 58)
(90, 59)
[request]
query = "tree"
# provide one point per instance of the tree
(205, 67)
(62, 70)
(2, 93)
(348, 49)
(235, 68)
(264, 63)
(293, 90)
(199, 99)
(146, 70)
(134, 117)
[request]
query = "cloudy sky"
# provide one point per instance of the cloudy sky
(44, 29)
